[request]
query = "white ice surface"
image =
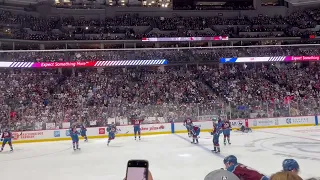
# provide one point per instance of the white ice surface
(170, 156)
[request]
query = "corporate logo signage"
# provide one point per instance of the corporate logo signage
(68, 132)
(297, 120)
(56, 133)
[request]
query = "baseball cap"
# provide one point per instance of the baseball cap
(221, 174)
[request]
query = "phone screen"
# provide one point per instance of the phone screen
(137, 170)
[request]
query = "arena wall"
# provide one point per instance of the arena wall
(164, 128)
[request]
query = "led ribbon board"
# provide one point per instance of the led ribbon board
(82, 64)
(269, 59)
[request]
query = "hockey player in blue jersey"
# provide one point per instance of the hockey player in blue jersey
(188, 124)
(83, 133)
(226, 129)
(195, 132)
(74, 134)
(220, 123)
(216, 134)
(6, 138)
(291, 165)
(110, 126)
(112, 134)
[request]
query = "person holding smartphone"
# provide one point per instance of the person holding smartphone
(138, 170)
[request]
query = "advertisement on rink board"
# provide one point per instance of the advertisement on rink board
(282, 121)
(238, 123)
(265, 122)
(166, 128)
(102, 131)
(145, 128)
(56, 134)
(28, 135)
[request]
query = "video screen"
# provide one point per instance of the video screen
(136, 173)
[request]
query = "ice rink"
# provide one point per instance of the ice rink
(170, 156)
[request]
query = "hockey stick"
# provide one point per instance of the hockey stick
(124, 133)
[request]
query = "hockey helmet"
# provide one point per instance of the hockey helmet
(230, 159)
(290, 164)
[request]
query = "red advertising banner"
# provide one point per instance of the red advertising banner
(102, 131)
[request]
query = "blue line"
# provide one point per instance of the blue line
(201, 146)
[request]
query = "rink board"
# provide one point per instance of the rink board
(163, 128)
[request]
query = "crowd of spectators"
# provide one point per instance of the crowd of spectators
(24, 26)
(174, 93)
(173, 55)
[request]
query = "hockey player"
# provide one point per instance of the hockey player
(216, 134)
(6, 138)
(244, 129)
(242, 171)
(136, 128)
(226, 128)
(188, 124)
(290, 165)
(220, 123)
(195, 131)
(83, 133)
(110, 126)
(75, 138)
(112, 134)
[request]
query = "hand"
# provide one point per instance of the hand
(149, 176)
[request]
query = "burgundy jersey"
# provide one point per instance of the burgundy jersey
(196, 128)
(243, 172)
(215, 129)
(6, 134)
(136, 122)
(226, 125)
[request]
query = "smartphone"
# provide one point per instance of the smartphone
(137, 170)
